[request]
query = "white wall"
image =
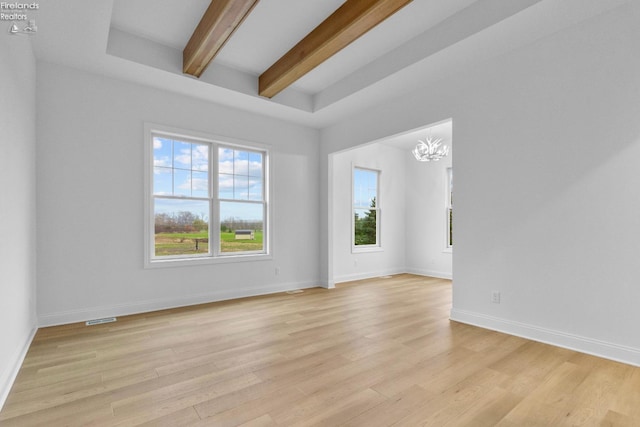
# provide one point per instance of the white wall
(426, 217)
(17, 205)
(391, 258)
(91, 200)
(547, 185)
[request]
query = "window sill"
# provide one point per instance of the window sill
(366, 249)
(187, 262)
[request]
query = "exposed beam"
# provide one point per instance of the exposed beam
(346, 24)
(216, 26)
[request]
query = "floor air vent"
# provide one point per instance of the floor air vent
(100, 321)
(296, 291)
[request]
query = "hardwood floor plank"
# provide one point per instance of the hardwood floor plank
(391, 410)
(375, 352)
(593, 398)
(488, 409)
(264, 398)
(156, 404)
(77, 413)
(423, 371)
(263, 421)
(331, 389)
(39, 398)
(614, 419)
(340, 411)
(182, 418)
(628, 401)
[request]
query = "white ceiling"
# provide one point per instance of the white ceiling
(142, 40)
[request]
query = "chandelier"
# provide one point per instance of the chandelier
(430, 150)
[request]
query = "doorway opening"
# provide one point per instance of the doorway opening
(413, 208)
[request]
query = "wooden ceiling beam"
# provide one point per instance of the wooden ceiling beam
(351, 20)
(220, 20)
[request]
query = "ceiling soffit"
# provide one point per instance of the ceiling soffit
(444, 34)
(102, 41)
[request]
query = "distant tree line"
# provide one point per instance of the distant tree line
(179, 222)
(188, 222)
(232, 224)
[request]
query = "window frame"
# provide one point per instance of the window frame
(378, 245)
(448, 236)
(214, 255)
(218, 201)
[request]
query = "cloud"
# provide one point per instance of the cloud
(225, 182)
(198, 184)
(161, 152)
(200, 157)
(226, 167)
(162, 162)
(240, 168)
(255, 168)
(225, 154)
(195, 157)
(238, 162)
(173, 207)
(184, 158)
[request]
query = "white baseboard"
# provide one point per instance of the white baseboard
(373, 275)
(9, 376)
(327, 284)
(430, 273)
(367, 275)
(82, 315)
(616, 352)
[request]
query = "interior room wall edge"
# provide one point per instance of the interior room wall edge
(10, 374)
(607, 350)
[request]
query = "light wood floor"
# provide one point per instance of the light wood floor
(370, 353)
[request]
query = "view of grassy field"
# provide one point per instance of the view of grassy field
(185, 243)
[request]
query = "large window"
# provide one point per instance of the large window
(366, 208)
(193, 215)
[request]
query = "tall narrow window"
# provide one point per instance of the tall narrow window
(366, 208)
(196, 216)
(242, 202)
(449, 207)
(181, 197)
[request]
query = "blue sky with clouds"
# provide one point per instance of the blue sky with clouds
(365, 187)
(182, 169)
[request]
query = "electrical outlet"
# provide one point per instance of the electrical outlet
(495, 297)
(277, 271)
